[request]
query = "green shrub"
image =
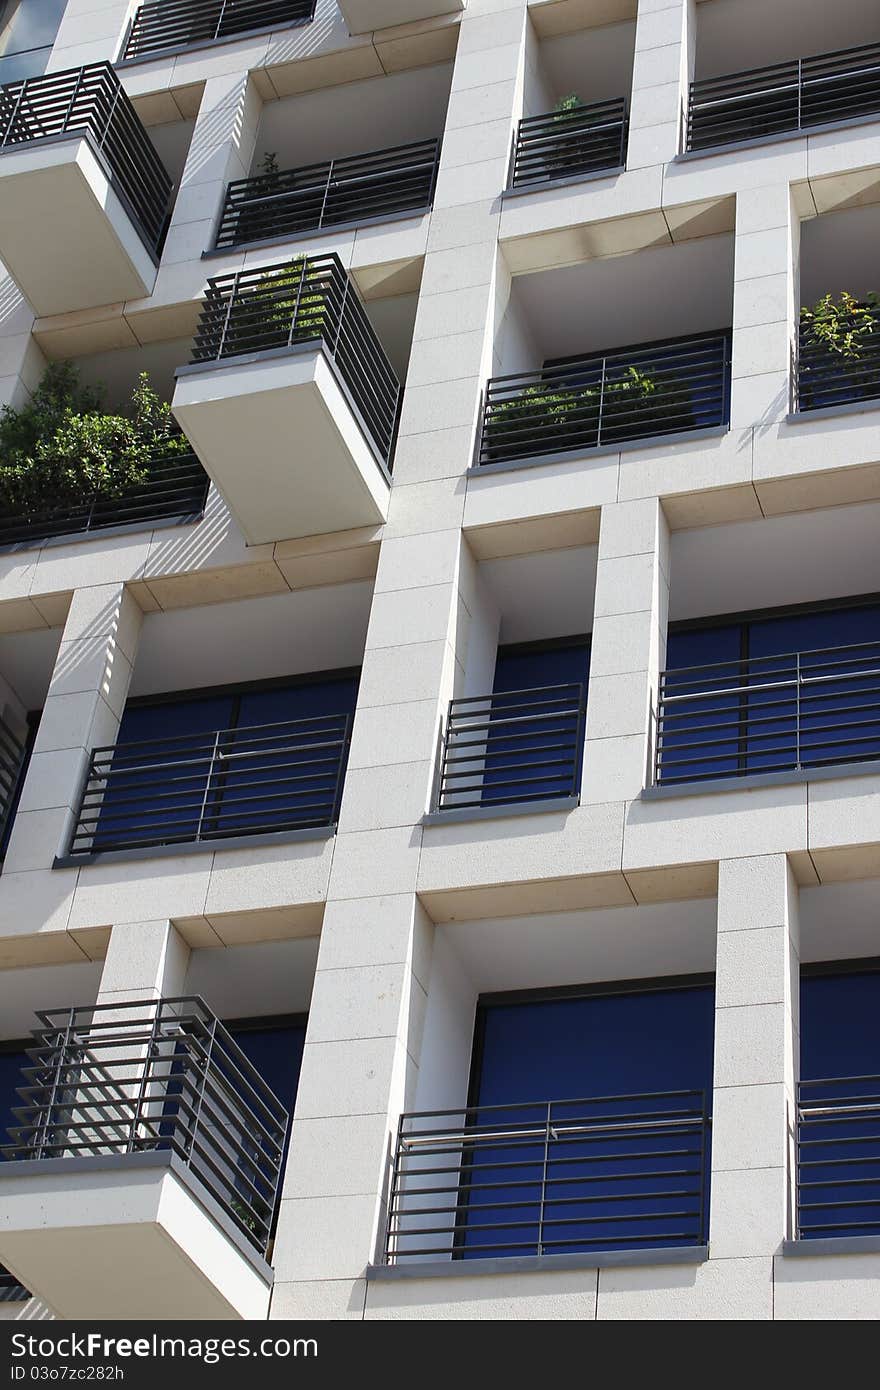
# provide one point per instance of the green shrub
(62, 448)
(841, 324)
(296, 289)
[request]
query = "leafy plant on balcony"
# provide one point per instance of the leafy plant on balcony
(841, 324)
(288, 305)
(546, 418)
(566, 105)
(63, 447)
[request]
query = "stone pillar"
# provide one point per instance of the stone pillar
(765, 304)
(221, 149)
(21, 362)
(663, 65)
(757, 1047)
(89, 33)
(86, 698)
(628, 649)
(362, 1048)
(145, 960)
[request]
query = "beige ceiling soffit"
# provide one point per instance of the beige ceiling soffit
(557, 247)
(708, 217)
(673, 883)
(383, 281)
(92, 941)
(40, 948)
(417, 45)
(84, 331)
(20, 615)
(855, 188)
(562, 531)
(268, 924)
(847, 862)
(521, 899)
(553, 17)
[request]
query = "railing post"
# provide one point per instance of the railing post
(539, 1249)
(326, 193)
(215, 752)
(149, 1054)
(218, 26)
(601, 401)
(797, 723)
(233, 294)
(342, 305)
(800, 92)
(15, 110)
(76, 86)
(46, 1120)
(303, 270)
(111, 114)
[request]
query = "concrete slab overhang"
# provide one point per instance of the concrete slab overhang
(131, 1236)
(362, 16)
(66, 236)
(279, 435)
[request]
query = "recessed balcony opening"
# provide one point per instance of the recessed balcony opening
(169, 1120)
(291, 401)
(515, 734)
(762, 71)
(237, 725)
(349, 156)
(135, 476)
(362, 16)
(576, 95)
(167, 26)
(608, 352)
(27, 660)
(85, 197)
(544, 1035)
(772, 667)
(838, 355)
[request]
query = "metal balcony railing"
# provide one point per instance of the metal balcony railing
(308, 300)
(607, 398)
(91, 102)
(160, 1075)
(838, 1158)
(12, 757)
(163, 25)
(361, 188)
(551, 1178)
(805, 92)
(825, 378)
(197, 788)
(516, 745)
(564, 144)
(176, 489)
(769, 714)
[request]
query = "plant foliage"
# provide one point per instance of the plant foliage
(841, 324)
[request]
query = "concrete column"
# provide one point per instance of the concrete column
(86, 698)
(145, 960)
(21, 362)
(89, 33)
(628, 648)
(221, 149)
(430, 623)
(766, 304)
(663, 66)
(757, 1048)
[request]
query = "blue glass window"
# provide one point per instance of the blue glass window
(27, 33)
(534, 747)
(771, 694)
(839, 1129)
(621, 1082)
(13, 1059)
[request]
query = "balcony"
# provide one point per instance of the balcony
(606, 399)
(83, 195)
(570, 144)
(175, 490)
(145, 1141)
(617, 1172)
(267, 779)
(838, 1168)
(828, 89)
(337, 193)
(165, 26)
(362, 16)
(13, 753)
(769, 714)
(512, 746)
(826, 377)
(287, 353)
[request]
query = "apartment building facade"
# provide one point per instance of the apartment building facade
(440, 786)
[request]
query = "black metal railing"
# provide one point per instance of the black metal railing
(176, 489)
(13, 751)
(163, 25)
(822, 90)
(513, 745)
(838, 1158)
(823, 377)
(308, 300)
(159, 1075)
(769, 714)
(358, 189)
(607, 398)
(565, 144)
(197, 788)
(608, 1173)
(91, 101)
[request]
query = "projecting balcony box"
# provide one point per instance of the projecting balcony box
(83, 194)
(290, 401)
(361, 16)
(143, 1174)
